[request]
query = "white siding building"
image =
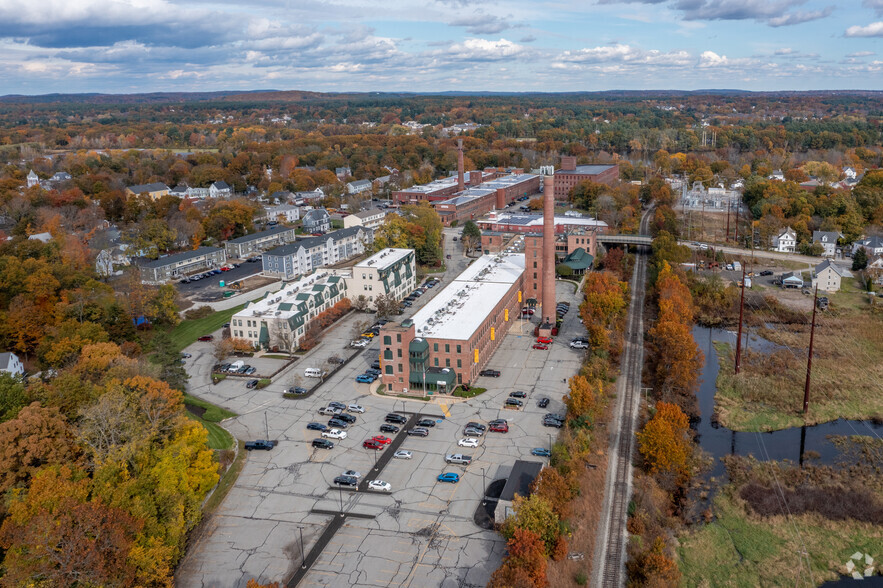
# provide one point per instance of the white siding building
(391, 272)
(786, 241)
(286, 213)
(305, 255)
(11, 364)
(829, 276)
(371, 218)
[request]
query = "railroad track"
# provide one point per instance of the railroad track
(610, 552)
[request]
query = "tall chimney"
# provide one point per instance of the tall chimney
(548, 301)
(460, 185)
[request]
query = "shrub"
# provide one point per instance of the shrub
(198, 313)
(581, 578)
(263, 383)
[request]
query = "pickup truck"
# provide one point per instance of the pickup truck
(329, 411)
(458, 458)
(260, 444)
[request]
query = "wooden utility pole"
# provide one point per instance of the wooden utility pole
(739, 334)
(728, 221)
(736, 238)
(812, 333)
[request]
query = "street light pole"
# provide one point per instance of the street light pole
(550, 442)
(340, 490)
(303, 557)
(483, 488)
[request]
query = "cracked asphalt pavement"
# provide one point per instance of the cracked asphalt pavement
(420, 534)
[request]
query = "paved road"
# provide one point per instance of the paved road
(420, 534)
(610, 550)
(739, 251)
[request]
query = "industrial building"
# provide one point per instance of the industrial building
(507, 222)
(448, 341)
(493, 194)
(572, 174)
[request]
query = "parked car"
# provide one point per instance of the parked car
(369, 444)
(577, 344)
(380, 486)
(458, 458)
(297, 390)
(251, 384)
(250, 370)
(383, 440)
(357, 408)
(330, 411)
(526, 310)
(402, 454)
(419, 431)
(334, 434)
(498, 422)
(206, 338)
(475, 425)
(360, 343)
(346, 481)
(260, 444)
(385, 428)
(316, 427)
(489, 373)
(336, 404)
(765, 273)
(468, 442)
(335, 360)
(373, 372)
(347, 418)
(395, 418)
(540, 346)
(543, 403)
(473, 432)
(541, 452)
(365, 379)
(449, 477)
(518, 394)
(553, 423)
(186, 355)
(544, 340)
(338, 424)
(500, 428)
(322, 443)
(426, 423)
(352, 473)
(513, 402)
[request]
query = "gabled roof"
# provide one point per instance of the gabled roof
(825, 236)
(578, 259)
(154, 187)
(315, 215)
(221, 185)
(874, 242)
(786, 231)
(839, 270)
(360, 183)
(260, 235)
(6, 359)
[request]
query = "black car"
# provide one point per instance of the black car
(260, 444)
(475, 425)
(406, 304)
(316, 427)
(335, 360)
(222, 368)
(426, 423)
(553, 423)
(543, 403)
(518, 394)
(490, 373)
(513, 402)
(375, 365)
(557, 417)
(395, 419)
(336, 423)
(346, 481)
(297, 390)
(385, 428)
(322, 444)
(336, 404)
(347, 418)
(251, 384)
(765, 273)
(498, 422)
(419, 431)
(373, 371)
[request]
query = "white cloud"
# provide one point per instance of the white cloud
(712, 59)
(875, 29)
(861, 54)
(624, 54)
(484, 50)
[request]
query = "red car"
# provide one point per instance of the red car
(543, 340)
(500, 428)
(372, 444)
(526, 310)
(381, 439)
(540, 346)
(206, 338)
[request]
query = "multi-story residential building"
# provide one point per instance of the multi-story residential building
(316, 221)
(390, 272)
(828, 276)
(243, 247)
(871, 245)
(828, 240)
(279, 321)
(359, 187)
(450, 339)
(220, 189)
(179, 265)
(155, 190)
(572, 174)
(305, 255)
(11, 364)
(786, 241)
(371, 218)
(286, 213)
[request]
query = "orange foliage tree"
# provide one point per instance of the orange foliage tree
(605, 302)
(525, 565)
(664, 442)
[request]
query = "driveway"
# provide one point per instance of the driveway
(420, 534)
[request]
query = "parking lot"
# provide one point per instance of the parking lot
(211, 284)
(422, 533)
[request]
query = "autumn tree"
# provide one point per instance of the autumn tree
(525, 563)
(471, 236)
(535, 514)
(12, 396)
(581, 400)
(555, 488)
(604, 303)
(665, 444)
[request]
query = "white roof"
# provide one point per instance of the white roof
(268, 307)
(536, 220)
(384, 258)
(457, 311)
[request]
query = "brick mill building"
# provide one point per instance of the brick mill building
(572, 174)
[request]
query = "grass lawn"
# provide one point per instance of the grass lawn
(471, 393)
(213, 414)
(269, 356)
(218, 437)
(189, 331)
(742, 549)
(227, 480)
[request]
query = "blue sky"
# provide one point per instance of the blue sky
(126, 46)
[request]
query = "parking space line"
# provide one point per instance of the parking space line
(444, 409)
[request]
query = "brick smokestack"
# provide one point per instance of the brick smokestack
(501, 198)
(460, 185)
(548, 293)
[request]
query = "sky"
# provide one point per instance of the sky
(133, 46)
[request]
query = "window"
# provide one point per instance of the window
(400, 351)
(387, 354)
(435, 347)
(535, 265)
(447, 347)
(459, 363)
(458, 349)
(387, 340)
(436, 362)
(447, 362)
(388, 369)
(398, 337)
(400, 368)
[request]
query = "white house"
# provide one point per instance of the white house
(358, 187)
(849, 173)
(42, 237)
(317, 221)
(286, 213)
(873, 246)
(33, 179)
(11, 364)
(786, 241)
(828, 240)
(828, 276)
(220, 189)
(371, 218)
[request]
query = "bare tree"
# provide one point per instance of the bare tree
(359, 328)
(360, 303)
(386, 305)
(285, 339)
(222, 349)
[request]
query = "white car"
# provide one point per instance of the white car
(468, 442)
(355, 408)
(379, 485)
(334, 434)
(402, 454)
(360, 343)
(352, 473)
